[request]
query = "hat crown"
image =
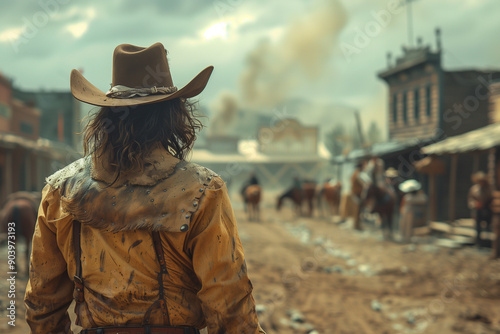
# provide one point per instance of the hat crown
(138, 67)
(144, 72)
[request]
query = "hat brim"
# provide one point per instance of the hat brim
(480, 177)
(391, 174)
(409, 187)
(84, 91)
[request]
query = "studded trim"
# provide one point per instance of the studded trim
(166, 206)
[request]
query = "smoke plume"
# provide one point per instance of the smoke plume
(225, 108)
(308, 44)
(275, 69)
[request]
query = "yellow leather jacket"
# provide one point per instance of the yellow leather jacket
(206, 284)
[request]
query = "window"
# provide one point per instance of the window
(416, 107)
(405, 107)
(26, 128)
(428, 97)
(395, 108)
(5, 111)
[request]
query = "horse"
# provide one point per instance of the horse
(305, 193)
(252, 199)
(294, 194)
(381, 199)
(330, 193)
(309, 192)
(21, 209)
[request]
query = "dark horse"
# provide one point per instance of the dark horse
(305, 193)
(21, 209)
(381, 199)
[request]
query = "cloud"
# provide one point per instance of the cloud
(10, 34)
(217, 30)
(84, 34)
(77, 29)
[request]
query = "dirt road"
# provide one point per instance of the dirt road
(332, 279)
(314, 276)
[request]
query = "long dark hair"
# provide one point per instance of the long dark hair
(124, 135)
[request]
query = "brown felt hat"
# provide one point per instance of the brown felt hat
(140, 76)
(479, 176)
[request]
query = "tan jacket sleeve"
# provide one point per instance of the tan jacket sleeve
(218, 261)
(50, 291)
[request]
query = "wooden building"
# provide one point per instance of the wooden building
(276, 155)
(60, 114)
(425, 101)
(474, 150)
(427, 104)
(478, 150)
(25, 158)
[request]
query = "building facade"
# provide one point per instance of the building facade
(427, 104)
(60, 115)
(426, 101)
(25, 157)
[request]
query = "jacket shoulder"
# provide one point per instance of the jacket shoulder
(75, 169)
(197, 173)
(166, 206)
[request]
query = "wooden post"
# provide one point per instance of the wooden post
(453, 187)
(39, 178)
(495, 221)
(432, 197)
(491, 166)
(27, 172)
(7, 173)
(475, 162)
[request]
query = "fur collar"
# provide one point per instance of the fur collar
(163, 197)
(157, 166)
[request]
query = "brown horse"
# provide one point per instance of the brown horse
(330, 193)
(381, 199)
(20, 212)
(252, 199)
(309, 192)
(298, 196)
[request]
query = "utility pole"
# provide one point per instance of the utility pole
(360, 128)
(409, 19)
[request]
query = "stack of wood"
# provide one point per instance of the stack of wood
(460, 232)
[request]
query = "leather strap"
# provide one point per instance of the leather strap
(78, 295)
(161, 302)
(78, 279)
(161, 260)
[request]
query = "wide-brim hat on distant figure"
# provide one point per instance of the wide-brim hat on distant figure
(479, 176)
(140, 76)
(391, 172)
(409, 186)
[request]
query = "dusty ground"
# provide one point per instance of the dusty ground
(315, 276)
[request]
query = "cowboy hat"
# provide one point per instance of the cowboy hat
(479, 176)
(140, 76)
(409, 186)
(391, 172)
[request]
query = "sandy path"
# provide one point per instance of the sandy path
(344, 281)
(310, 274)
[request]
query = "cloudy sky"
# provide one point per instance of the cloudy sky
(327, 51)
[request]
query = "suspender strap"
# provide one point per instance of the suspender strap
(161, 302)
(78, 292)
(161, 259)
(78, 279)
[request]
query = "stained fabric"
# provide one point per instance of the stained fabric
(206, 284)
